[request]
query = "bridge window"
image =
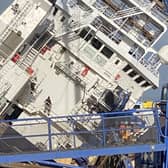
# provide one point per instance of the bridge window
(83, 34)
(127, 68)
(96, 43)
(146, 84)
(132, 74)
(139, 79)
(106, 52)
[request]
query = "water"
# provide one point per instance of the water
(4, 4)
(152, 94)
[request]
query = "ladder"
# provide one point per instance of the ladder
(28, 59)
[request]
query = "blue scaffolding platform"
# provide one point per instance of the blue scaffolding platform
(133, 131)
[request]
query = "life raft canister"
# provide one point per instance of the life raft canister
(85, 71)
(16, 57)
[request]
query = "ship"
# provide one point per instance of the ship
(67, 61)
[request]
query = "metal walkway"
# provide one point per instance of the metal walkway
(105, 134)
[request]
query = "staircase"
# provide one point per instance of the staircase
(119, 13)
(70, 32)
(28, 59)
(69, 36)
(125, 13)
(76, 24)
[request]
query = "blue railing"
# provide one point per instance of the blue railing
(80, 135)
(82, 131)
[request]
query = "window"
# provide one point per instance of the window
(117, 62)
(83, 33)
(96, 43)
(139, 79)
(88, 37)
(117, 38)
(146, 84)
(127, 68)
(106, 52)
(132, 74)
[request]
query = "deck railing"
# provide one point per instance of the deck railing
(64, 133)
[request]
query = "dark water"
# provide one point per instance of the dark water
(4, 4)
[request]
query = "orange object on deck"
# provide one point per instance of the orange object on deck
(29, 70)
(16, 57)
(85, 71)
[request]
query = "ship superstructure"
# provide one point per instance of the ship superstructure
(77, 57)
(96, 44)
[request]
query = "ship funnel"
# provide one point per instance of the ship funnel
(163, 54)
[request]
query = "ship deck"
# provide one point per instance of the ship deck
(64, 93)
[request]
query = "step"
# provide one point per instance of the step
(23, 66)
(26, 63)
(28, 60)
(31, 54)
(33, 51)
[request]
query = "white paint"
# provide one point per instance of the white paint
(163, 54)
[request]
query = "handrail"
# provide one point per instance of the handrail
(130, 123)
(110, 136)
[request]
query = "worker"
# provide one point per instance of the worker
(48, 105)
(33, 84)
(33, 87)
